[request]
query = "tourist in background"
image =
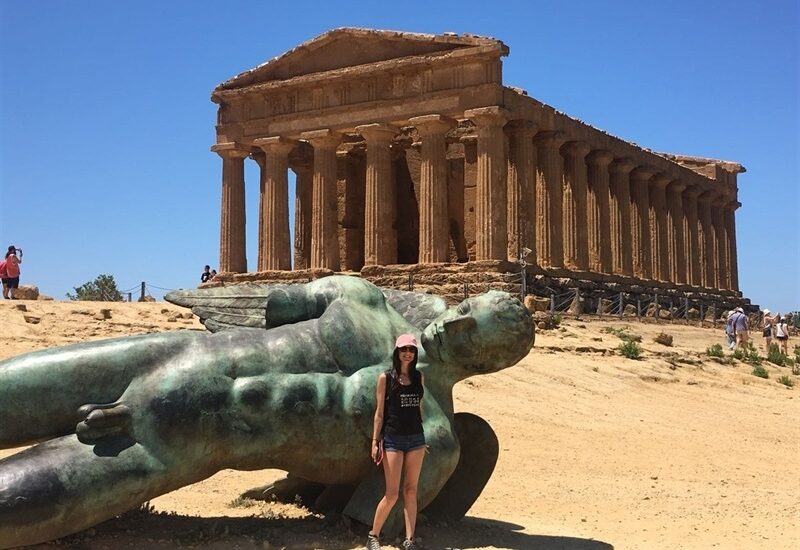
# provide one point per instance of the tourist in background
(9, 271)
(730, 334)
(782, 334)
(205, 276)
(768, 323)
(740, 328)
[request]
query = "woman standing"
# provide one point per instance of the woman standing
(768, 328)
(11, 272)
(782, 334)
(397, 437)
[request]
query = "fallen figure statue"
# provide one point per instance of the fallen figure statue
(286, 379)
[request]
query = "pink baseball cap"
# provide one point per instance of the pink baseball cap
(406, 340)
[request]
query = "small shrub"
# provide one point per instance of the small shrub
(753, 357)
(715, 351)
(796, 369)
(775, 356)
(630, 349)
(664, 339)
(739, 354)
(241, 502)
(797, 354)
(760, 371)
(786, 381)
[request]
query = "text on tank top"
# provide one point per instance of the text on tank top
(402, 414)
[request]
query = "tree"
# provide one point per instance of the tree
(102, 289)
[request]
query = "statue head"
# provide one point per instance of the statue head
(483, 334)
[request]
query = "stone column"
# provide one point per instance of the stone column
(491, 200)
(730, 230)
(273, 223)
(721, 242)
(380, 239)
(433, 234)
(598, 214)
(576, 237)
(521, 189)
(694, 273)
(304, 175)
(324, 234)
(675, 228)
(659, 232)
(708, 264)
(620, 214)
(232, 251)
(549, 167)
(640, 222)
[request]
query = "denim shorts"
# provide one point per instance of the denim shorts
(403, 443)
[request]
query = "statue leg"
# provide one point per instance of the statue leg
(315, 496)
(479, 451)
(40, 392)
(63, 486)
(287, 490)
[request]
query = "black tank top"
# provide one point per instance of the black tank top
(401, 411)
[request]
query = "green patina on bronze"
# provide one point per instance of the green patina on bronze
(124, 420)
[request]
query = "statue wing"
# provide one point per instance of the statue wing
(417, 308)
(246, 305)
(224, 307)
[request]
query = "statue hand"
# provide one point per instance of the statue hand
(98, 421)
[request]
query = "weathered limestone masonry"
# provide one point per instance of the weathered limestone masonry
(415, 164)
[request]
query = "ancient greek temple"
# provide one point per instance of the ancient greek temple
(410, 155)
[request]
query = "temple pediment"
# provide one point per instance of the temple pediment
(350, 47)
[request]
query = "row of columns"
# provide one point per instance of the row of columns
(623, 219)
(380, 239)
(584, 209)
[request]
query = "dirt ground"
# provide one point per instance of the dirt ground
(598, 451)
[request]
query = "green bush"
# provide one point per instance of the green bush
(797, 354)
(786, 381)
(630, 349)
(796, 369)
(752, 356)
(775, 356)
(102, 289)
(760, 371)
(715, 351)
(739, 355)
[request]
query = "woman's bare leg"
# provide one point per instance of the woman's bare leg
(392, 468)
(411, 469)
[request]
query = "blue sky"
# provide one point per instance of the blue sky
(106, 118)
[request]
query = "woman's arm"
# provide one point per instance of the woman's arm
(377, 422)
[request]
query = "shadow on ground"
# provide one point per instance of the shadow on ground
(474, 532)
(147, 530)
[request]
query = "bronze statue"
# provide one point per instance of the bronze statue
(285, 380)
